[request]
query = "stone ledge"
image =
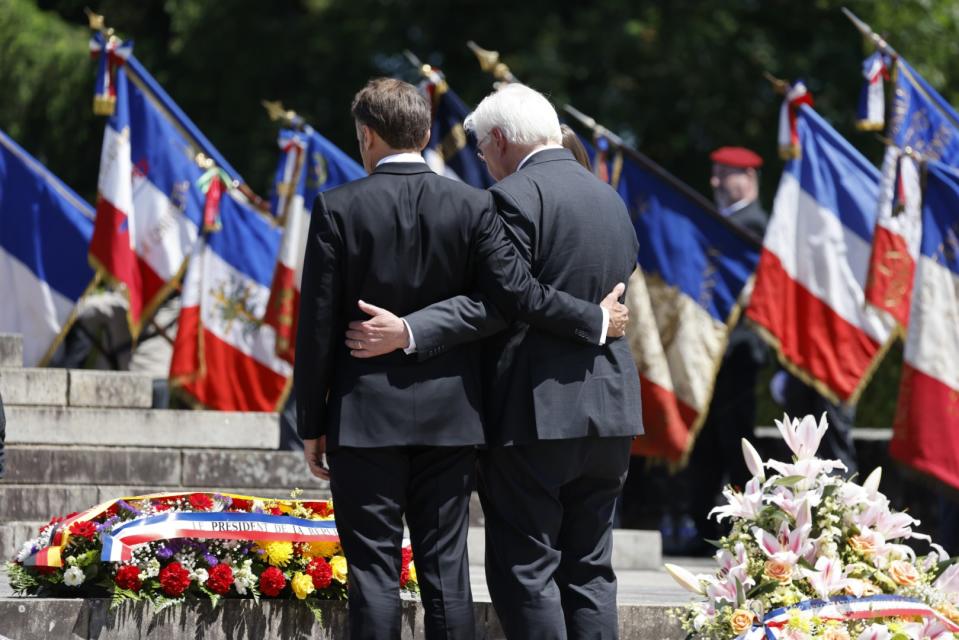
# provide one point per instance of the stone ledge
(633, 549)
(90, 388)
(20, 386)
(36, 619)
(11, 350)
(142, 427)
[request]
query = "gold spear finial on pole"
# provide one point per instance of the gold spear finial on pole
(780, 86)
(277, 113)
(489, 62)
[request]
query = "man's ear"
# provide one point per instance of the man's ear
(426, 140)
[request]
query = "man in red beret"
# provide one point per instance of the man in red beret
(717, 458)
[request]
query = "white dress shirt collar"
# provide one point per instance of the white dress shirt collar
(406, 156)
(542, 147)
(734, 207)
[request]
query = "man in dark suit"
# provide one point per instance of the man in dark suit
(560, 416)
(400, 434)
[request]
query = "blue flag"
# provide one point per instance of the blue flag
(45, 229)
(450, 151)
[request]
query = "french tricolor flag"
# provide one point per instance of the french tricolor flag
(309, 164)
(922, 123)
(926, 427)
(44, 231)
(224, 355)
(809, 300)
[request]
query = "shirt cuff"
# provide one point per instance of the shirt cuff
(412, 348)
(602, 336)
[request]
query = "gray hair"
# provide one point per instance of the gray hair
(524, 116)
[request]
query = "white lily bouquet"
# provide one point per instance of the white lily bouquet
(812, 556)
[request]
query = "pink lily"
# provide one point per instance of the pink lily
(802, 436)
(828, 578)
(875, 632)
(744, 505)
(787, 546)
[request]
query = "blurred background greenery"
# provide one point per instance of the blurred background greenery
(676, 78)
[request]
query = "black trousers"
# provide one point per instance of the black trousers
(549, 510)
(372, 490)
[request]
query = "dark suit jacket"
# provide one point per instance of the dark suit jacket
(576, 234)
(403, 238)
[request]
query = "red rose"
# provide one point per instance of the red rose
(201, 501)
(272, 582)
(160, 507)
(221, 579)
(241, 504)
(404, 575)
(321, 572)
(407, 555)
(174, 579)
(322, 509)
(128, 577)
(83, 529)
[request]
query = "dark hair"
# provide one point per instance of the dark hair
(571, 142)
(395, 110)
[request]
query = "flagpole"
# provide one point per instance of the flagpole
(650, 165)
(877, 40)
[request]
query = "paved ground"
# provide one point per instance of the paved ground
(635, 587)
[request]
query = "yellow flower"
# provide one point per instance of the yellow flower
(325, 549)
(302, 585)
(741, 620)
(412, 570)
(278, 553)
(338, 565)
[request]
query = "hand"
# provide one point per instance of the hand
(314, 449)
(618, 313)
(381, 334)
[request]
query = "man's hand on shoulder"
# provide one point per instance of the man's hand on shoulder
(618, 312)
(383, 333)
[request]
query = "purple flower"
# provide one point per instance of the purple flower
(164, 553)
(127, 507)
(210, 559)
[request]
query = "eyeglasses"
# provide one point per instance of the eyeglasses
(479, 152)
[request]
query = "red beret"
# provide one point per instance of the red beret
(739, 157)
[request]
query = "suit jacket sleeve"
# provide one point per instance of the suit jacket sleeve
(503, 255)
(320, 321)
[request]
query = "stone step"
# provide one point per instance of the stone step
(11, 350)
(14, 534)
(75, 388)
(42, 618)
(32, 502)
(633, 549)
(157, 466)
(142, 428)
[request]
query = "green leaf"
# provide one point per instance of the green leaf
(789, 481)
(121, 595)
(214, 597)
(762, 589)
(314, 606)
(21, 580)
(805, 564)
(740, 593)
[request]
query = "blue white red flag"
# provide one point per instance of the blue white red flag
(684, 298)
(809, 299)
(926, 427)
(150, 207)
(45, 229)
(922, 125)
(224, 355)
(309, 164)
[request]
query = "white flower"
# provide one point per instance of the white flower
(802, 436)
(25, 551)
(746, 505)
(828, 577)
(73, 577)
(201, 575)
(243, 578)
(685, 579)
(948, 581)
(150, 570)
(753, 461)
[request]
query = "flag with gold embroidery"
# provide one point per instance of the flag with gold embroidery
(309, 164)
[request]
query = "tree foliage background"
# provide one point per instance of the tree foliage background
(676, 78)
